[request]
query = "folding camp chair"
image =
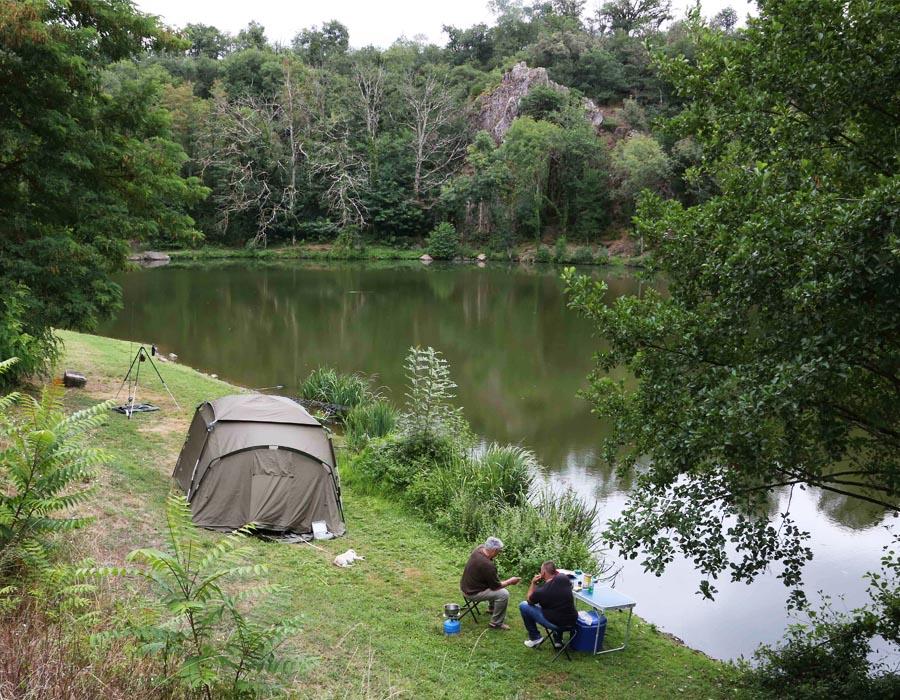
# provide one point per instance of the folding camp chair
(470, 608)
(564, 649)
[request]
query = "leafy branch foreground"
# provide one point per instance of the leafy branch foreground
(45, 469)
(199, 635)
(203, 634)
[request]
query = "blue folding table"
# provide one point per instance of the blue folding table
(603, 599)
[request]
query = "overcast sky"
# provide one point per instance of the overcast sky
(377, 22)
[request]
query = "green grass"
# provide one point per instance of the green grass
(373, 630)
(323, 252)
(298, 252)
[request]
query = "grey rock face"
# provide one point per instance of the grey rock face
(498, 109)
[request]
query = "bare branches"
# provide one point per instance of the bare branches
(370, 84)
(438, 142)
(257, 147)
(347, 176)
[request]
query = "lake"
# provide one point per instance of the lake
(519, 357)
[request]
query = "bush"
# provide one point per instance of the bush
(443, 242)
(542, 102)
(501, 476)
(44, 467)
(467, 515)
(560, 249)
(827, 660)
(34, 349)
(330, 386)
(543, 255)
(554, 526)
(370, 420)
(506, 472)
(427, 465)
(349, 244)
(583, 256)
(634, 115)
(392, 464)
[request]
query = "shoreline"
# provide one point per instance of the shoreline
(326, 252)
(406, 578)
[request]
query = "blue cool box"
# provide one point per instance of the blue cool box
(587, 634)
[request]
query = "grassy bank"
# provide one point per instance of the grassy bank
(373, 630)
(585, 255)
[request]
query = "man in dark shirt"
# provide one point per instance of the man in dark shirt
(480, 582)
(550, 603)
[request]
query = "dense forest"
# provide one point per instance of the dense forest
(758, 164)
(303, 141)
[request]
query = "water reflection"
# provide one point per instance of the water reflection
(519, 357)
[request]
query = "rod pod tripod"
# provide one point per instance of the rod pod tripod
(142, 355)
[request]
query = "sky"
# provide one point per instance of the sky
(376, 22)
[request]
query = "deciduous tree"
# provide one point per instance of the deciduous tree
(85, 167)
(773, 362)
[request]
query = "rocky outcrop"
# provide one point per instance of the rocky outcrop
(498, 109)
(150, 258)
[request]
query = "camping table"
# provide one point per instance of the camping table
(603, 599)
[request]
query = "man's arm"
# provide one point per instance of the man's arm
(512, 581)
(533, 587)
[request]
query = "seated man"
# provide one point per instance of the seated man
(479, 581)
(550, 603)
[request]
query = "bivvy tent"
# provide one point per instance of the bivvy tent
(254, 458)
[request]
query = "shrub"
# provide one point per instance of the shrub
(467, 515)
(634, 115)
(429, 413)
(35, 350)
(543, 255)
(610, 123)
(827, 660)
(427, 465)
(327, 385)
(365, 421)
(44, 467)
(392, 464)
(199, 629)
(554, 526)
(583, 256)
(560, 250)
(443, 242)
(463, 494)
(506, 472)
(542, 102)
(349, 244)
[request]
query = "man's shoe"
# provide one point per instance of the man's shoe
(501, 626)
(532, 643)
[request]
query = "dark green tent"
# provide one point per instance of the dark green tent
(260, 459)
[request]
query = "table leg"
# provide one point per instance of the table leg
(627, 633)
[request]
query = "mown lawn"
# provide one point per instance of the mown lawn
(373, 630)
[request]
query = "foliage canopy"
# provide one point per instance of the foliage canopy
(86, 164)
(773, 361)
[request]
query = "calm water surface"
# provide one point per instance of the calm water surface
(519, 357)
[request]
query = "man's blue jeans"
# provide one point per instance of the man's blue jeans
(532, 616)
